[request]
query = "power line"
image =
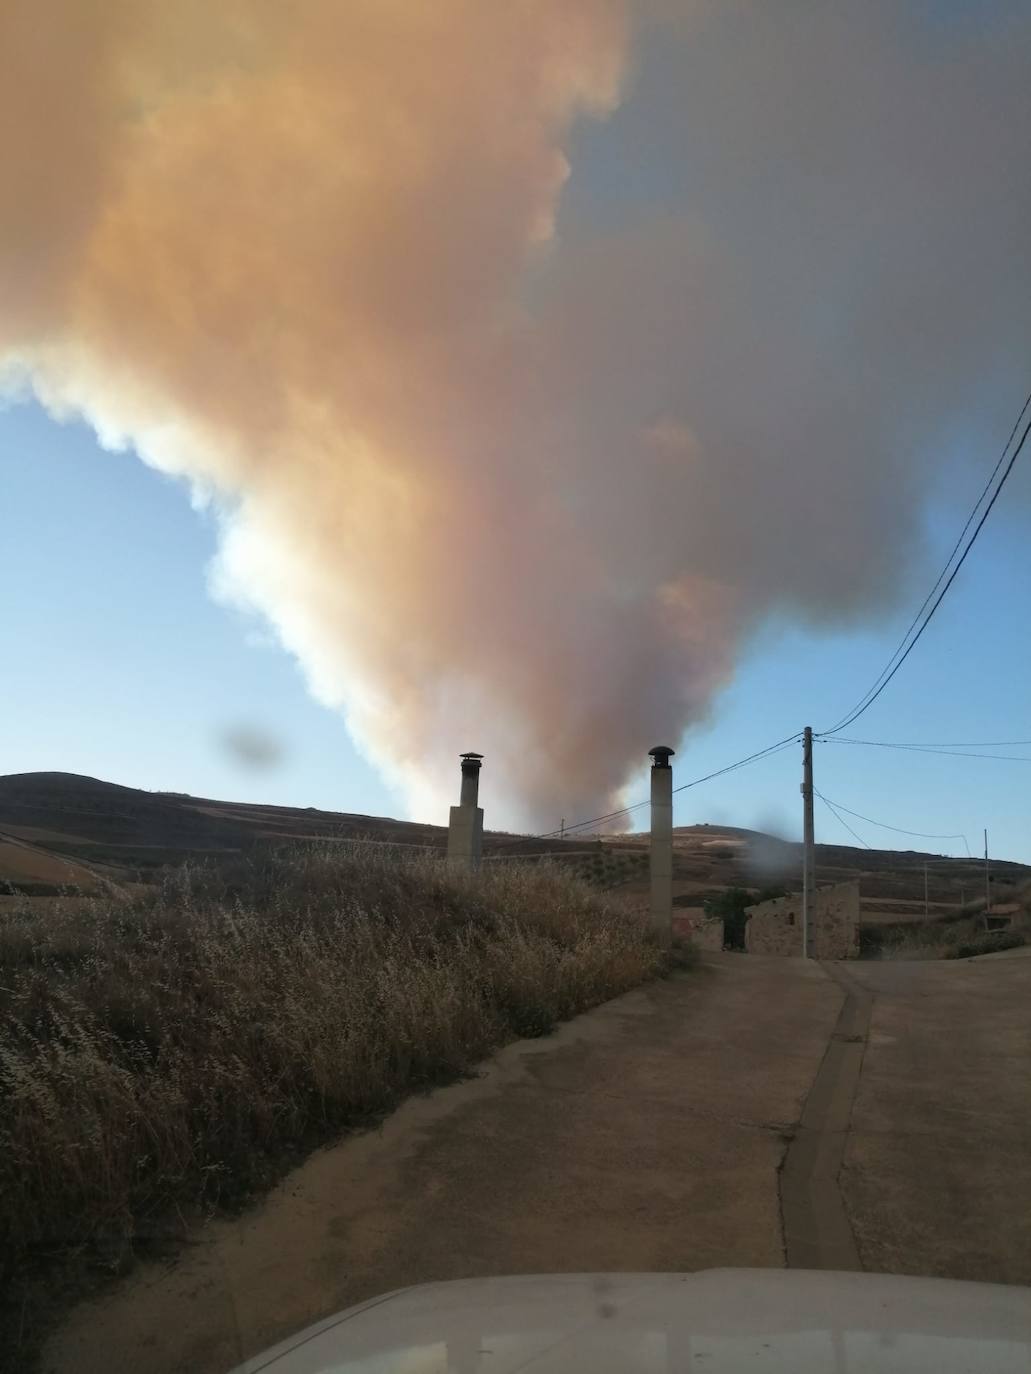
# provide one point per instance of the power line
(889, 671)
(593, 820)
(930, 749)
(969, 744)
(752, 758)
(872, 694)
(841, 820)
(636, 806)
(919, 834)
(719, 772)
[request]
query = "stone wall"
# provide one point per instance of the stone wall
(704, 932)
(775, 927)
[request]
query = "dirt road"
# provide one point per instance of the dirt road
(648, 1135)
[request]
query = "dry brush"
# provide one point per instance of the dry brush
(179, 1052)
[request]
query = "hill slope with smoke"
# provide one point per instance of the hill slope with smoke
(505, 471)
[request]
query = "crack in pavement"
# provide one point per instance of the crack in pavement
(817, 1231)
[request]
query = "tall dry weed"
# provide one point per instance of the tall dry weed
(180, 1051)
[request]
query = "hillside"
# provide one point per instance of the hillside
(61, 831)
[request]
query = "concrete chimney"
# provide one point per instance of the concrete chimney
(470, 779)
(661, 848)
(465, 826)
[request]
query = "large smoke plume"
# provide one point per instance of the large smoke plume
(509, 469)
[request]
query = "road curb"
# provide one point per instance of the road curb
(817, 1232)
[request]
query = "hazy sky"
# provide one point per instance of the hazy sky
(702, 436)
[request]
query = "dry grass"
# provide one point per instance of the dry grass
(959, 938)
(182, 1051)
(952, 936)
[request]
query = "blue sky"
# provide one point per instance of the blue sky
(121, 666)
(129, 671)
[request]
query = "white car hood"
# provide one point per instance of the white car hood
(713, 1322)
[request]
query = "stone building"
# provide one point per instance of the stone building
(775, 927)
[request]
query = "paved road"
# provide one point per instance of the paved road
(937, 1166)
(647, 1135)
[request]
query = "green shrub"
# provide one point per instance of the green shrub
(989, 943)
(729, 907)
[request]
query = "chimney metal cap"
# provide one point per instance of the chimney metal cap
(470, 756)
(662, 755)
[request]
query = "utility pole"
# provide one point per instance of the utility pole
(925, 889)
(808, 843)
(562, 829)
(987, 889)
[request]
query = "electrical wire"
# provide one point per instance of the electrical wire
(871, 694)
(895, 662)
(752, 758)
(593, 820)
(636, 806)
(929, 749)
(919, 834)
(841, 820)
(897, 744)
(719, 772)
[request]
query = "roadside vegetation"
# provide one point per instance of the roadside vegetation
(731, 906)
(178, 1053)
(951, 937)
